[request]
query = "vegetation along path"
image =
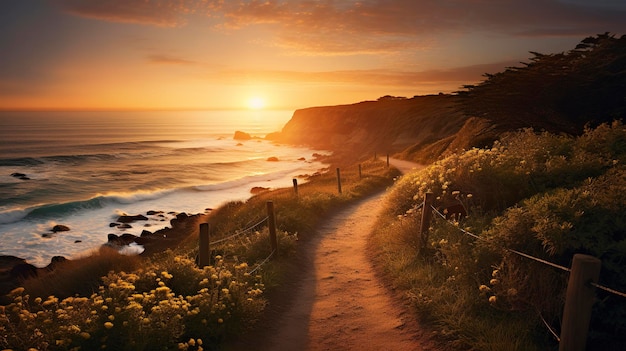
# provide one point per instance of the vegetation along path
(340, 303)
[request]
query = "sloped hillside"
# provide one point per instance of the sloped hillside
(390, 124)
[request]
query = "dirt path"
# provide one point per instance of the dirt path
(339, 302)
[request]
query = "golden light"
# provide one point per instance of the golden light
(256, 103)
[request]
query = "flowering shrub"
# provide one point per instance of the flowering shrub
(545, 195)
(183, 308)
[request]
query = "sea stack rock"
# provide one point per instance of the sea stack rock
(239, 135)
(60, 228)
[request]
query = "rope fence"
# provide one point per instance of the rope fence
(262, 263)
(584, 273)
(615, 292)
(204, 243)
(249, 229)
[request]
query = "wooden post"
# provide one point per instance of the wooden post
(338, 180)
(203, 249)
(271, 219)
(375, 156)
(387, 160)
(360, 174)
(579, 299)
(295, 186)
(426, 217)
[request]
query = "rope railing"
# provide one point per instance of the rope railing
(578, 304)
(262, 263)
(556, 336)
(239, 233)
(204, 243)
(615, 292)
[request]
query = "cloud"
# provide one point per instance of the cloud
(339, 27)
(378, 77)
(169, 60)
(162, 13)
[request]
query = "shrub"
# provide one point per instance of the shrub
(147, 310)
(546, 195)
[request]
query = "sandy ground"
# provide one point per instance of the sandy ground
(339, 303)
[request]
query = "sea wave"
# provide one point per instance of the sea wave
(58, 210)
(243, 182)
(51, 211)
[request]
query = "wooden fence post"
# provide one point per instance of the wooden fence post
(375, 156)
(360, 174)
(271, 222)
(387, 160)
(203, 249)
(426, 217)
(338, 180)
(295, 186)
(579, 299)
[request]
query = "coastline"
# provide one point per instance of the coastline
(14, 270)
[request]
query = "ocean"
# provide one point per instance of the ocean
(84, 169)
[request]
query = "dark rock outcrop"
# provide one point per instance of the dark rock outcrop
(55, 262)
(130, 219)
(60, 228)
(239, 135)
(121, 240)
(21, 176)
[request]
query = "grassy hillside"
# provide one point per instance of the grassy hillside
(544, 195)
(550, 190)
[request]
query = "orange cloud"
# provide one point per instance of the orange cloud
(348, 27)
(379, 77)
(162, 13)
(169, 60)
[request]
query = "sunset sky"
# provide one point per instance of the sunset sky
(218, 54)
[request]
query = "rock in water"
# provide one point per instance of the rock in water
(60, 228)
(129, 219)
(21, 176)
(239, 135)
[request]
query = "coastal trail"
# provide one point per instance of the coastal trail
(338, 302)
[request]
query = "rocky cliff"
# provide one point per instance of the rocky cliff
(388, 125)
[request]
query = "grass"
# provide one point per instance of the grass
(546, 195)
(165, 301)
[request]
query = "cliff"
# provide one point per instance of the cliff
(388, 125)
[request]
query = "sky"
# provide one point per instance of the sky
(222, 54)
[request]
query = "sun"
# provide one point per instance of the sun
(256, 103)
